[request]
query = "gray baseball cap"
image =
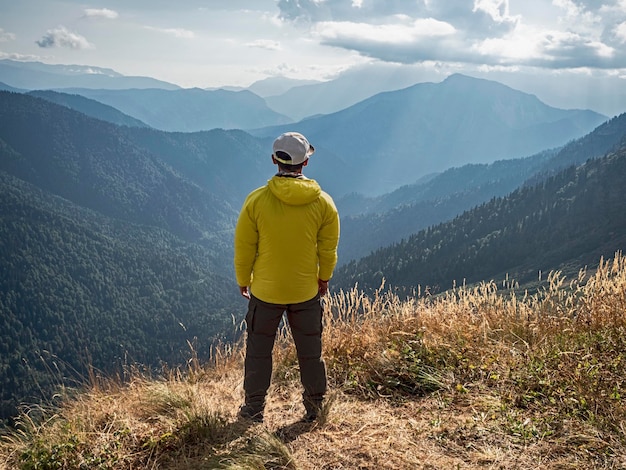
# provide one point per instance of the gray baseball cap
(292, 148)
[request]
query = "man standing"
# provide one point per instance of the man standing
(285, 252)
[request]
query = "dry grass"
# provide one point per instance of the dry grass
(476, 378)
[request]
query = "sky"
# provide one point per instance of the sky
(571, 53)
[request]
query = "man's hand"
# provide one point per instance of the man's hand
(322, 287)
(245, 292)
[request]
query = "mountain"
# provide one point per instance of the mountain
(278, 85)
(37, 75)
(370, 223)
(456, 180)
(96, 165)
(179, 182)
(603, 139)
(189, 110)
(84, 291)
(565, 222)
(116, 242)
(5, 87)
(158, 104)
(606, 95)
(394, 138)
(404, 212)
(89, 107)
(348, 88)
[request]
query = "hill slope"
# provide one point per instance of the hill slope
(397, 215)
(89, 107)
(82, 290)
(179, 182)
(571, 218)
(409, 209)
(189, 110)
(116, 242)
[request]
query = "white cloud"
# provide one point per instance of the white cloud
(6, 36)
(16, 56)
(399, 33)
(265, 44)
(498, 10)
(176, 32)
(62, 37)
(348, 10)
(582, 33)
(569, 6)
(620, 32)
(101, 13)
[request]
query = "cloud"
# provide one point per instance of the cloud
(347, 10)
(550, 49)
(16, 56)
(176, 32)
(584, 33)
(265, 44)
(6, 36)
(101, 13)
(62, 37)
(620, 32)
(398, 33)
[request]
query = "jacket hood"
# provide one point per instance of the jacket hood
(294, 191)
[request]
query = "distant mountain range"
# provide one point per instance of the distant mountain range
(189, 110)
(296, 99)
(395, 138)
(303, 100)
(40, 76)
(157, 104)
(89, 107)
(274, 86)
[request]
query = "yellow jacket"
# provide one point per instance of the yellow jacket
(286, 238)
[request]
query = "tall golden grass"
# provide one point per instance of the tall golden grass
(478, 377)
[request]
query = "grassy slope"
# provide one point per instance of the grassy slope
(469, 379)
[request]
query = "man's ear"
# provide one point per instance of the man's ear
(274, 160)
(305, 162)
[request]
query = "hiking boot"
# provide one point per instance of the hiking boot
(247, 412)
(313, 410)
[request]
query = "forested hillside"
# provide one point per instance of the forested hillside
(397, 215)
(567, 221)
(387, 219)
(180, 182)
(80, 289)
(116, 243)
(89, 107)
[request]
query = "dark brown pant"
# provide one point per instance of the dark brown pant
(305, 322)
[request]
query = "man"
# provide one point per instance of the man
(285, 252)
